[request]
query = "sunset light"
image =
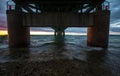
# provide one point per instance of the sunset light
(52, 33)
(3, 32)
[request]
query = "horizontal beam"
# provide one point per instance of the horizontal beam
(63, 19)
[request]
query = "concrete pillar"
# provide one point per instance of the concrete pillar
(59, 31)
(18, 35)
(55, 33)
(99, 33)
(64, 33)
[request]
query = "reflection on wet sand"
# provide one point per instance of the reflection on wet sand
(97, 57)
(55, 59)
(96, 63)
(19, 53)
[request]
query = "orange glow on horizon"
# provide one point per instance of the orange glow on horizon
(3, 32)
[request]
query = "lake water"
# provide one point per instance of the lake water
(71, 57)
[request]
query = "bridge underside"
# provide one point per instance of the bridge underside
(58, 5)
(63, 19)
(59, 15)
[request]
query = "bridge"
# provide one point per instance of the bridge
(59, 15)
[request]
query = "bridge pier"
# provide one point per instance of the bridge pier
(59, 33)
(99, 33)
(18, 35)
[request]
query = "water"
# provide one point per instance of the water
(72, 57)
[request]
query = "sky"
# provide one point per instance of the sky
(114, 20)
(115, 13)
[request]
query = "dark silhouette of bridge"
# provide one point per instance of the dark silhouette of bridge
(58, 14)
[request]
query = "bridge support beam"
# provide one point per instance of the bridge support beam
(99, 33)
(19, 35)
(59, 33)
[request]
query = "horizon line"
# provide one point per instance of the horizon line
(5, 32)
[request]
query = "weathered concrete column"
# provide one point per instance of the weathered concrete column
(18, 35)
(59, 34)
(59, 31)
(99, 33)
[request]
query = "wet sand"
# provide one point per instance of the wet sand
(53, 68)
(53, 60)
